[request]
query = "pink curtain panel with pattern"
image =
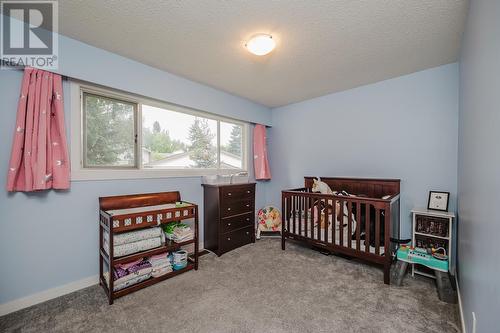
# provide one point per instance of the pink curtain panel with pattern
(261, 163)
(39, 158)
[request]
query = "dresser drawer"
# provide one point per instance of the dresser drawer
(235, 207)
(237, 192)
(236, 238)
(236, 222)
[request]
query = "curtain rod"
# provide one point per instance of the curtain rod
(23, 67)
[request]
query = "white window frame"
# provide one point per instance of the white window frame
(80, 173)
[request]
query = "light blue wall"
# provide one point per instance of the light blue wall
(84, 62)
(403, 128)
(479, 167)
(50, 239)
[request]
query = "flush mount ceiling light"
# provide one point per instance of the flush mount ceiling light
(260, 44)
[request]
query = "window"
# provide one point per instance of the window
(231, 145)
(125, 136)
(175, 140)
(109, 132)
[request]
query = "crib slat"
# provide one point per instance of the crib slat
(306, 213)
(294, 212)
(301, 205)
(312, 219)
(318, 235)
(297, 224)
(341, 222)
(334, 222)
(367, 227)
(377, 231)
(358, 225)
(349, 223)
(288, 211)
(325, 230)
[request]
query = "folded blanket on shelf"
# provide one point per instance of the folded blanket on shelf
(122, 269)
(161, 270)
(178, 232)
(183, 234)
(134, 236)
(160, 263)
(129, 248)
(129, 277)
(139, 266)
(133, 275)
(131, 282)
(159, 260)
(159, 256)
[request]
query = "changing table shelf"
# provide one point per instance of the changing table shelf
(167, 247)
(118, 214)
(150, 281)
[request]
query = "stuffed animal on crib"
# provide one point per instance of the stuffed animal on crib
(322, 187)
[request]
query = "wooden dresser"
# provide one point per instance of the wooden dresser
(229, 216)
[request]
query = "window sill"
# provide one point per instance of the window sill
(114, 174)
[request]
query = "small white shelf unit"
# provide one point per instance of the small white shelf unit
(432, 227)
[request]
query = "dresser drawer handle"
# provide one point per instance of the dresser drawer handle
(229, 208)
(248, 205)
(228, 224)
(248, 191)
(229, 193)
(248, 219)
(229, 238)
(248, 233)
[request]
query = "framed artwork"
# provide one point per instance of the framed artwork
(438, 200)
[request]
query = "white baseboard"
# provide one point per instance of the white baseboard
(46, 295)
(460, 308)
(49, 294)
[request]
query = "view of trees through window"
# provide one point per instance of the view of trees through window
(109, 132)
(231, 145)
(170, 139)
(177, 140)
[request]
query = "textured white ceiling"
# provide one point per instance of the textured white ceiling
(322, 46)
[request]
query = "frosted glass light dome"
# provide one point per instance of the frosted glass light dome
(260, 44)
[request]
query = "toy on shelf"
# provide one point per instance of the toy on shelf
(421, 256)
(269, 221)
(432, 259)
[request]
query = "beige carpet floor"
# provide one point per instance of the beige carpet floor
(256, 288)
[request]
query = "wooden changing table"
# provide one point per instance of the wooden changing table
(138, 211)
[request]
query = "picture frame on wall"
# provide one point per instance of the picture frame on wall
(438, 200)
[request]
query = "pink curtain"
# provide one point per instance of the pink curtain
(39, 157)
(260, 161)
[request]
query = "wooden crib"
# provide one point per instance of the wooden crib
(360, 225)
